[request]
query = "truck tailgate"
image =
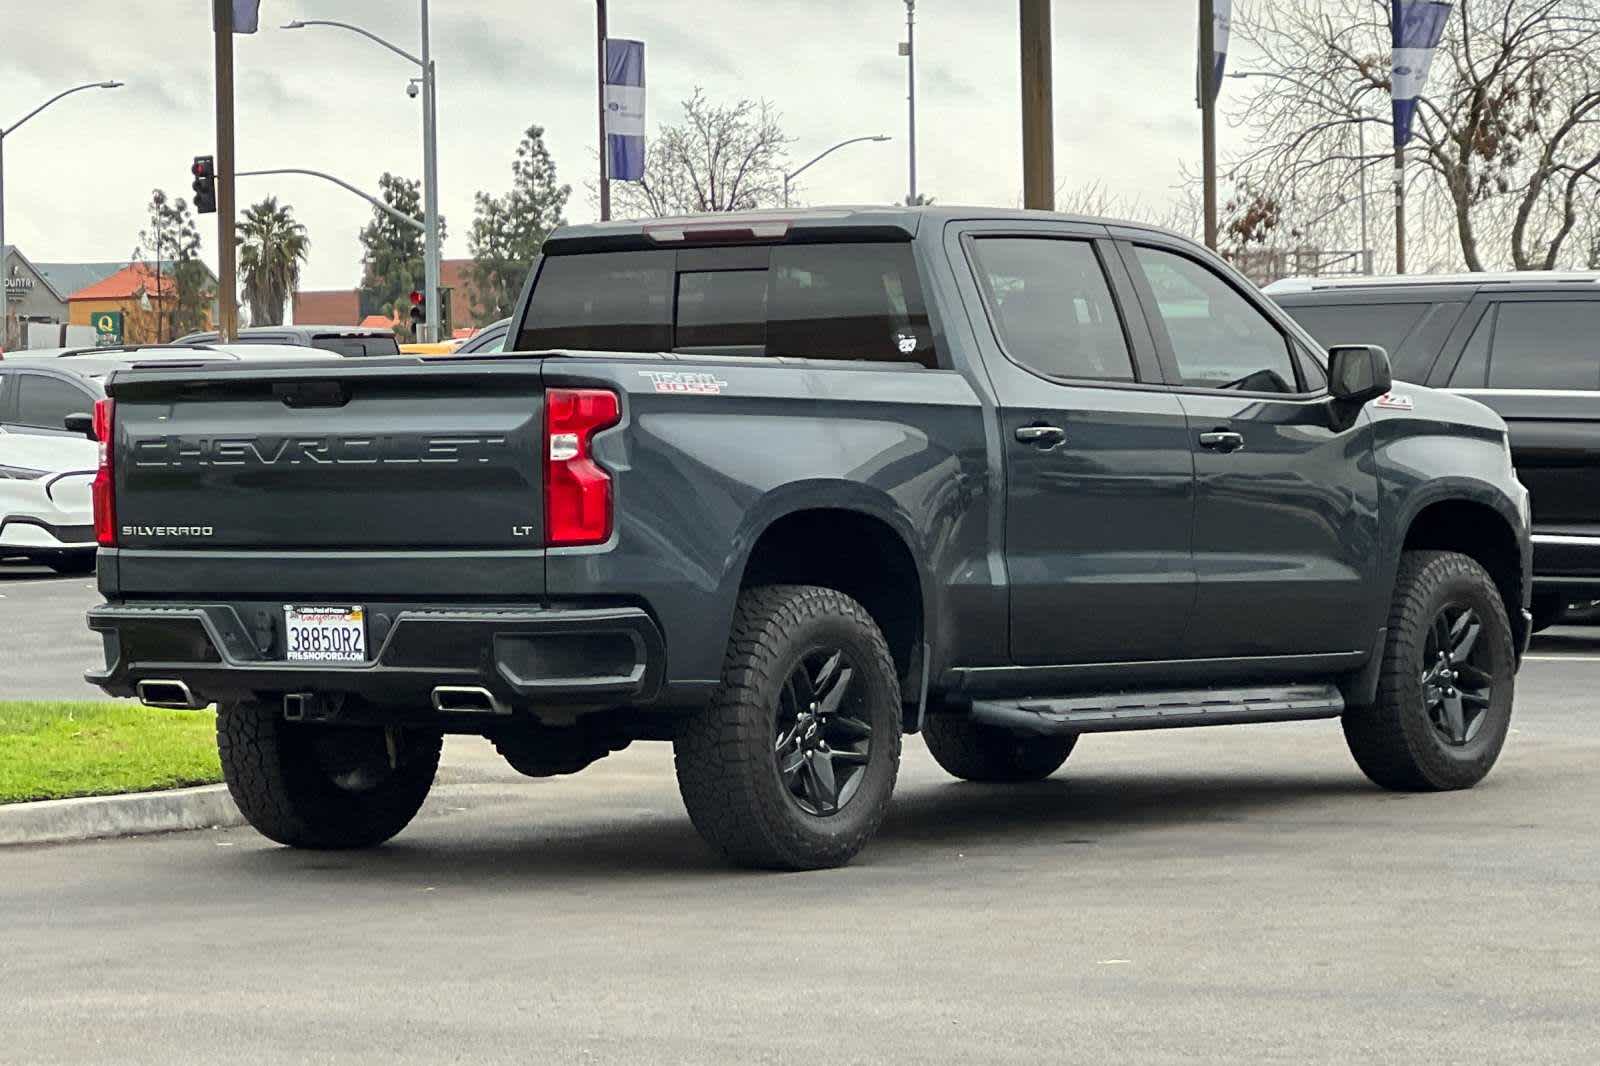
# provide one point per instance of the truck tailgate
(397, 454)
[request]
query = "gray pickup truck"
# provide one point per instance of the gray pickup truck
(782, 488)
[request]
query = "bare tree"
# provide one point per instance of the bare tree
(720, 158)
(1507, 135)
(1095, 200)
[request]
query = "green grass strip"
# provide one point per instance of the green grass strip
(56, 749)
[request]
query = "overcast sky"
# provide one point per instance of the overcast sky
(78, 176)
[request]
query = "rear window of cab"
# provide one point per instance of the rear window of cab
(850, 301)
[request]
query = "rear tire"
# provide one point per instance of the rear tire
(1442, 713)
(973, 751)
(323, 786)
(792, 765)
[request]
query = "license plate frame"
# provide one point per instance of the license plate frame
(329, 634)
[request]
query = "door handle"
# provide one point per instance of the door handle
(1042, 437)
(1222, 441)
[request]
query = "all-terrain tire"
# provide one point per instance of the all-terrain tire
(974, 751)
(728, 774)
(323, 786)
(1394, 741)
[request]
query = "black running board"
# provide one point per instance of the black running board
(1117, 712)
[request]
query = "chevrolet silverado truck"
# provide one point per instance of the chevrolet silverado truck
(1522, 344)
(783, 488)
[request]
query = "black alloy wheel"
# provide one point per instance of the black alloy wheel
(822, 745)
(1458, 678)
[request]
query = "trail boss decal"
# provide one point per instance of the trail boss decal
(688, 384)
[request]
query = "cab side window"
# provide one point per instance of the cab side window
(44, 402)
(1546, 345)
(1219, 339)
(1472, 372)
(1052, 308)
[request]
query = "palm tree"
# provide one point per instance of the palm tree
(272, 248)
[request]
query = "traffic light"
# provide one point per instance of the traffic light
(419, 309)
(205, 184)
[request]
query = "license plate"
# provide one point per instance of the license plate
(325, 634)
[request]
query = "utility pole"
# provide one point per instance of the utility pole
(909, 50)
(227, 269)
(1206, 68)
(1038, 123)
(430, 170)
(1399, 209)
(600, 86)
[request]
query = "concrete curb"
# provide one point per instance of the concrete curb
(95, 817)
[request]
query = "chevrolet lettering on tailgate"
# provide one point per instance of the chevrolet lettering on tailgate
(184, 452)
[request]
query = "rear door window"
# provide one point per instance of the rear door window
(857, 301)
(1546, 345)
(45, 402)
(1053, 309)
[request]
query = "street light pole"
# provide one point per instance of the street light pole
(430, 187)
(227, 251)
(430, 151)
(6, 131)
(820, 156)
(1208, 117)
(600, 89)
(911, 98)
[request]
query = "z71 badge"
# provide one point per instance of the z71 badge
(1396, 402)
(688, 384)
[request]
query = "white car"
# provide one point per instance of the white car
(46, 513)
(46, 468)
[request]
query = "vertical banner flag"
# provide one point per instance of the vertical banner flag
(1222, 19)
(624, 109)
(1418, 28)
(246, 16)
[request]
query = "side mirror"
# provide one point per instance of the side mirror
(81, 423)
(1359, 372)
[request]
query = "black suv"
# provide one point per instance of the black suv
(1527, 345)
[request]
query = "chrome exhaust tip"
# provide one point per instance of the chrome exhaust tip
(467, 699)
(169, 695)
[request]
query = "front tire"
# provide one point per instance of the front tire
(792, 765)
(973, 751)
(323, 786)
(1446, 683)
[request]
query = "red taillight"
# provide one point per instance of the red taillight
(577, 492)
(105, 498)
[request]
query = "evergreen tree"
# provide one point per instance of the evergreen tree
(508, 231)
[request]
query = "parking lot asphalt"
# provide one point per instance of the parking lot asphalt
(44, 645)
(1215, 895)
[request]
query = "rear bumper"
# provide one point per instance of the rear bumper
(527, 658)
